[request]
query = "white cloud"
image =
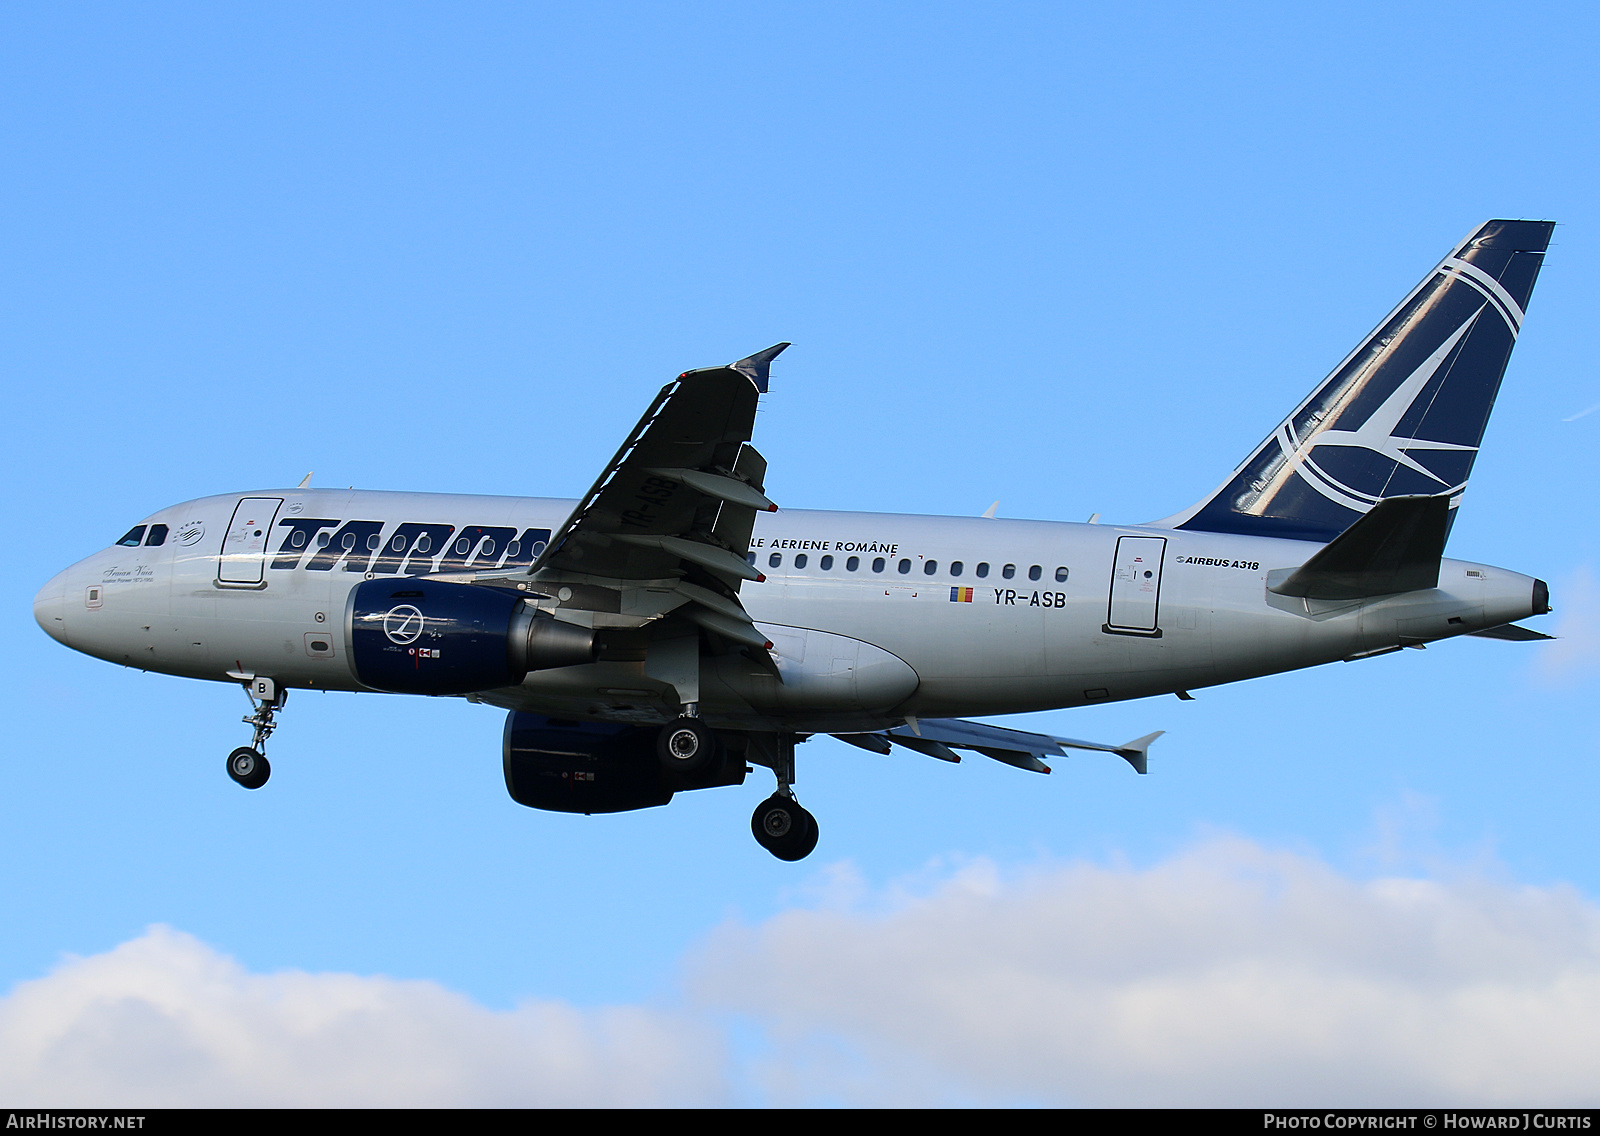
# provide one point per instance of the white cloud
(1227, 975)
(165, 1020)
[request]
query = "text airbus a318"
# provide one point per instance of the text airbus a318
(672, 628)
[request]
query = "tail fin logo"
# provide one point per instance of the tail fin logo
(1379, 433)
(1404, 413)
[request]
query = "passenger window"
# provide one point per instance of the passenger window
(750, 559)
(1035, 572)
(774, 560)
(955, 567)
(827, 564)
(1061, 575)
(135, 535)
(852, 564)
(158, 535)
(348, 541)
(1009, 571)
(462, 545)
(515, 547)
(904, 567)
(538, 547)
(398, 544)
(983, 569)
(877, 564)
(800, 561)
(373, 540)
(424, 543)
(297, 539)
(930, 567)
(323, 539)
(488, 546)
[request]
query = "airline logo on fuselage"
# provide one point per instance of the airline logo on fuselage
(408, 548)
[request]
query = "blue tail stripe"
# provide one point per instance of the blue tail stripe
(1405, 412)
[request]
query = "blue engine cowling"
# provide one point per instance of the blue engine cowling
(411, 636)
(601, 767)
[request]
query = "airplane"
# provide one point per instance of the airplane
(672, 628)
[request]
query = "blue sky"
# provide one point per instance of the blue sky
(1077, 259)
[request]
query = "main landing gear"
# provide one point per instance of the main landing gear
(780, 824)
(247, 765)
(784, 828)
(685, 744)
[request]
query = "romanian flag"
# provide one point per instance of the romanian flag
(960, 595)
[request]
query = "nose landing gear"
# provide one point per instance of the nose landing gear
(248, 765)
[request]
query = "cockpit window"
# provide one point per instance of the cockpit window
(156, 536)
(135, 535)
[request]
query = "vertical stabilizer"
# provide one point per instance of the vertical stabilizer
(1404, 414)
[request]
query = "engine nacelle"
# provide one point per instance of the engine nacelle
(599, 767)
(411, 636)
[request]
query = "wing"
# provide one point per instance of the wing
(666, 526)
(941, 737)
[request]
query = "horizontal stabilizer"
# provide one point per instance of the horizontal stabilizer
(1511, 633)
(1395, 547)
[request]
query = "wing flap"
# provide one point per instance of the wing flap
(738, 630)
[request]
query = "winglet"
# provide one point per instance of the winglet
(1134, 752)
(756, 366)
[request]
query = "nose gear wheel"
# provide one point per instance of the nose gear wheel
(248, 767)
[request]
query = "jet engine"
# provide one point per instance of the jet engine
(411, 636)
(600, 767)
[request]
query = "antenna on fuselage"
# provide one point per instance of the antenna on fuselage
(989, 512)
(305, 482)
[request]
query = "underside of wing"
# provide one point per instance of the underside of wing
(660, 544)
(682, 492)
(941, 737)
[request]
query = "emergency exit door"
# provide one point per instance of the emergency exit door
(1136, 586)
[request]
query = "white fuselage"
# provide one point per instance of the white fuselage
(888, 616)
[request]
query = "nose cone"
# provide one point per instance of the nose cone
(50, 607)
